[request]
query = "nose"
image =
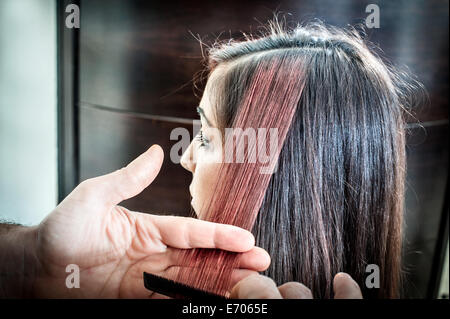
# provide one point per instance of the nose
(187, 159)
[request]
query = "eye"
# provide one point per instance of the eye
(203, 140)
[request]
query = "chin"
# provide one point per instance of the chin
(194, 208)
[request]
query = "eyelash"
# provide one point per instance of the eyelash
(199, 137)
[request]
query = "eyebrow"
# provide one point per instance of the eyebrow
(201, 112)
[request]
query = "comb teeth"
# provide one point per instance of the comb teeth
(173, 289)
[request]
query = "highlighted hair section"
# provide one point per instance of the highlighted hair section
(270, 102)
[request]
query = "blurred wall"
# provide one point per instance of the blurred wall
(28, 157)
(444, 288)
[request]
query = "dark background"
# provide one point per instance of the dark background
(125, 81)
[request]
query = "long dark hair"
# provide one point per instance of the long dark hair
(335, 202)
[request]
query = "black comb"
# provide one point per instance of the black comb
(173, 289)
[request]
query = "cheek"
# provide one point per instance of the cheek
(203, 185)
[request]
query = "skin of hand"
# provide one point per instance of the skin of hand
(262, 287)
(113, 246)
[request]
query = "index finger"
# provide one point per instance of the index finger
(186, 233)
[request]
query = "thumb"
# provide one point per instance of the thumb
(129, 181)
(345, 287)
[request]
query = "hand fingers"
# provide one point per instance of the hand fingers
(240, 274)
(168, 263)
(256, 259)
(345, 287)
(250, 262)
(133, 286)
(236, 276)
(130, 180)
(185, 233)
(255, 287)
(294, 290)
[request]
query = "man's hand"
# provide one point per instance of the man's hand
(261, 287)
(113, 246)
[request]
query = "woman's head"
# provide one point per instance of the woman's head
(335, 201)
(200, 156)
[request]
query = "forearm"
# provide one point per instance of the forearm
(18, 261)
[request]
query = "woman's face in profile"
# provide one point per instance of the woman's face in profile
(203, 154)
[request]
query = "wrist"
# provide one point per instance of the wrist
(19, 266)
